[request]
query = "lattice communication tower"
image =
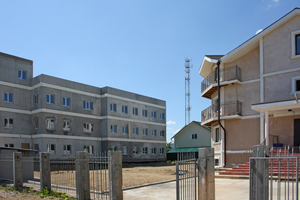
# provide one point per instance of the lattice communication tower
(187, 91)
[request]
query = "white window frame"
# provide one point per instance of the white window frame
(66, 101)
(67, 149)
(113, 148)
(217, 158)
(7, 98)
(194, 136)
(162, 116)
(51, 148)
(49, 99)
(153, 150)
(135, 111)
(135, 131)
(134, 150)
(66, 125)
(50, 124)
(154, 132)
(35, 99)
(145, 150)
(87, 105)
(113, 107)
(153, 114)
(89, 149)
(145, 113)
(113, 128)
(145, 132)
(294, 79)
(36, 124)
(125, 109)
(9, 145)
(125, 129)
(125, 150)
(8, 123)
(88, 127)
(293, 44)
(21, 74)
(214, 135)
(161, 150)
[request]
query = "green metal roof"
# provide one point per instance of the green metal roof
(180, 150)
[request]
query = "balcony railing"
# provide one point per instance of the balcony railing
(226, 74)
(226, 109)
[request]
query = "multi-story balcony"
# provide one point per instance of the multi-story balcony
(227, 75)
(228, 110)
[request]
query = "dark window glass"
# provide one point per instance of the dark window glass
(297, 85)
(297, 44)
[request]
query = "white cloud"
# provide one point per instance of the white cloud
(171, 122)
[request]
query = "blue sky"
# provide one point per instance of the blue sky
(134, 45)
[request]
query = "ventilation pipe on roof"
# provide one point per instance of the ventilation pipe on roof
(219, 109)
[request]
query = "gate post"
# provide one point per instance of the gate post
(206, 174)
(18, 170)
(45, 171)
(259, 173)
(82, 176)
(115, 175)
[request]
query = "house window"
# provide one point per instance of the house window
(9, 145)
(217, 135)
(134, 111)
(153, 114)
(297, 85)
(162, 133)
(154, 132)
(113, 148)
(162, 116)
(66, 125)
(88, 148)
(153, 150)
(297, 44)
(125, 109)
(67, 149)
(22, 74)
(145, 113)
(217, 162)
(35, 99)
(135, 150)
(87, 127)
(125, 129)
(145, 131)
(50, 123)
(36, 147)
(51, 148)
(125, 150)
(135, 131)
(161, 150)
(87, 105)
(113, 107)
(113, 128)
(66, 101)
(194, 136)
(8, 123)
(145, 150)
(8, 97)
(36, 124)
(50, 98)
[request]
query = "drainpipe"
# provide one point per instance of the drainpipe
(219, 109)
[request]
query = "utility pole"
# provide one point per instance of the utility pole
(187, 92)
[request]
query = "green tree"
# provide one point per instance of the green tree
(169, 146)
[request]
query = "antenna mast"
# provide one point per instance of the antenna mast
(187, 92)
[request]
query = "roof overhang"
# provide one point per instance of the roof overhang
(207, 65)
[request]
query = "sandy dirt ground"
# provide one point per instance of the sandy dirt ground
(19, 196)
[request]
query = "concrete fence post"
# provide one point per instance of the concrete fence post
(115, 175)
(259, 174)
(206, 174)
(18, 170)
(82, 176)
(45, 176)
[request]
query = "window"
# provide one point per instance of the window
(66, 125)
(66, 101)
(125, 129)
(162, 115)
(36, 123)
(161, 150)
(135, 131)
(135, 111)
(145, 150)
(194, 136)
(50, 98)
(87, 105)
(135, 150)
(9, 145)
(162, 133)
(217, 162)
(297, 40)
(125, 109)
(113, 148)
(217, 135)
(153, 114)
(154, 132)
(145, 131)
(35, 99)
(36, 147)
(297, 85)
(8, 97)
(113, 128)
(295, 44)
(51, 148)
(87, 127)
(125, 150)
(50, 123)
(145, 113)
(22, 74)
(153, 150)
(89, 149)
(67, 149)
(113, 107)
(8, 123)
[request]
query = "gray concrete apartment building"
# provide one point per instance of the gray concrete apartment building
(62, 117)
